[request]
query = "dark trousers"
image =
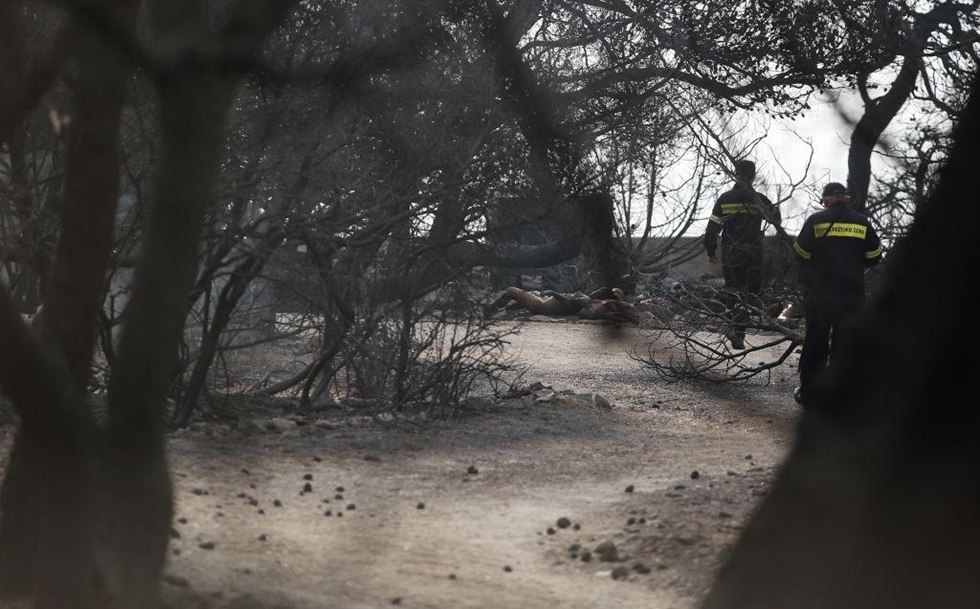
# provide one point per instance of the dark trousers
(827, 328)
(743, 282)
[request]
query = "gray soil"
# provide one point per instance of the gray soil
(604, 487)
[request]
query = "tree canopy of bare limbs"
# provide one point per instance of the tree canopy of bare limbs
(168, 165)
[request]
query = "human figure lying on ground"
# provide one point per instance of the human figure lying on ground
(604, 303)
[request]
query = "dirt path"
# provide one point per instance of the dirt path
(466, 514)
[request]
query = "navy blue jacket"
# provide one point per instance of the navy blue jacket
(835, 246)
(738, 215)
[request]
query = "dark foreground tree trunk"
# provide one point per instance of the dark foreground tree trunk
(878, 504)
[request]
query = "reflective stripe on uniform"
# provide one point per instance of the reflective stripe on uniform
(801, 252)
(873, 254)
(730, 209)
(716, 219)
(839, 229)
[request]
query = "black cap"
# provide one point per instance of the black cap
(745, 168)
(834, 189)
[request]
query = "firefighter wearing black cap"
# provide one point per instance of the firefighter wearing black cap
(738, 217)
(835, 246)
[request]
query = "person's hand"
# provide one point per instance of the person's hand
(713, 259)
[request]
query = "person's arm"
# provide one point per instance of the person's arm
(715, 223)
(773, 215)
(803, 248)
(872, 247)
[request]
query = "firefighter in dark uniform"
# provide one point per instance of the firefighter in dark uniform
(738, 215)
(835, 247)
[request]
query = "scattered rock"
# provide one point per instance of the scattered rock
(207, 545)
(620, 572)
(472, 470)
(695, 475)
(420, 505)
(629, 489)
(563, 523)
(607, 552)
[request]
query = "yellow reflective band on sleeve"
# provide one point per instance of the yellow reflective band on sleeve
(873, 254)
(839, 229)
(802, 252)
(716, 219)
(730, 209)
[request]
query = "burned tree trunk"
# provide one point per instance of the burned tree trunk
(86, 499)
(878, 504)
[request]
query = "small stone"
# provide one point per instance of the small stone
(277, 503)
(420, 505)
(620, 572)
(629, 489)
(472, 470)
(307, 476)
(507, 569)
(207, 545)
(695, 475)
(563, 523)
(607, 551)
(263, 537)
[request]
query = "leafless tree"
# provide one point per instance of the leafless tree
(86, 499)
